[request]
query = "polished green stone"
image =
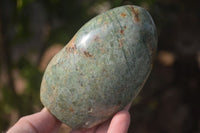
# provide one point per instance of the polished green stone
(102, 68)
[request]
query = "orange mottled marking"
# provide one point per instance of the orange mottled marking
(122, 32)
(123, 14)
(71, 109)
(120, 43)
(87, 54)
(71, 47)
(135, 14)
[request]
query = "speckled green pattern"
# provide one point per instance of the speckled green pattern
(102, 68)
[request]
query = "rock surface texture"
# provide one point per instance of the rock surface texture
(102, 68)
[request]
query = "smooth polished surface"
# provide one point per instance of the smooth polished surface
(102, 68)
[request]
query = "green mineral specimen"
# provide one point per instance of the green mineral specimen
(102, 68)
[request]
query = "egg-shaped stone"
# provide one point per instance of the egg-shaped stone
(102, 68)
